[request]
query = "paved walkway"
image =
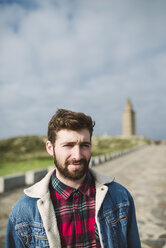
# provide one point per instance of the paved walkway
(143, 172)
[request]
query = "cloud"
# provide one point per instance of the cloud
(85, 55)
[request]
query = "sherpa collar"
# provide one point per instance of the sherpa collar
(41, 188)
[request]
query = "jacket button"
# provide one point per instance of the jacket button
(102, 188)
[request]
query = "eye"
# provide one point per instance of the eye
(86, 145)
(68, 145)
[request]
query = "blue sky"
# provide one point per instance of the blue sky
(87, 56)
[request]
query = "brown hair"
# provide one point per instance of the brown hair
(66, 119)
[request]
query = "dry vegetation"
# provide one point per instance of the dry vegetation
(21, 154)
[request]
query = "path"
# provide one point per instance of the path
(144, 173)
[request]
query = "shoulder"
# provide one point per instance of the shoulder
(25, 201)
(24, 208)
(116, 186)
(118, 191)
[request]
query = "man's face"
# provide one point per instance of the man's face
(72, 152)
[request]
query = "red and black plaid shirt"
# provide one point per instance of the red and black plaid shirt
(75, 213)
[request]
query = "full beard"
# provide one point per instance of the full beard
(75, 174)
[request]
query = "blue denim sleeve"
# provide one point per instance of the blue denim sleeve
(132, 234)
(12, 239)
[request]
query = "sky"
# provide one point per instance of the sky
(84, 55)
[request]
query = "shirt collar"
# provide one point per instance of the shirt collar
(86, 188)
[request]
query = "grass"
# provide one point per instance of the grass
(9, 168)
(104, 145)
(21, 154)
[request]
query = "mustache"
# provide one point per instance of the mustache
(73, 161)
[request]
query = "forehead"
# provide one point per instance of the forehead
(65, 135)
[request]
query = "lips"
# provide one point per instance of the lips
(76, 163)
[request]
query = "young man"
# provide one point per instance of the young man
(73, 206)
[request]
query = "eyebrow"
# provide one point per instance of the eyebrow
(73, 143)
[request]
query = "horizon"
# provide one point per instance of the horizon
(121, 136)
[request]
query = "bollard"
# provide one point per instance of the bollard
(12, 181)
(32, 177)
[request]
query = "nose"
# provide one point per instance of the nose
(77, 154)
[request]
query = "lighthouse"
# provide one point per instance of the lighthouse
(128, 120)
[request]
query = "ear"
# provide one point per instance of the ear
(49, 147)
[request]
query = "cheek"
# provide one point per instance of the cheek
(87, 154)
(61, 155)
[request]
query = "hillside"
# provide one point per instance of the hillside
(22, 148)
(21, 154)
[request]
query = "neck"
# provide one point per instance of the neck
(69, 182)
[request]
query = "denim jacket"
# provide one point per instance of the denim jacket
(32, 222)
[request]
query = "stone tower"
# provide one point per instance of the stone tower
(128, 120)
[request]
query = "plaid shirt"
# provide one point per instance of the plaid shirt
(75, 213)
